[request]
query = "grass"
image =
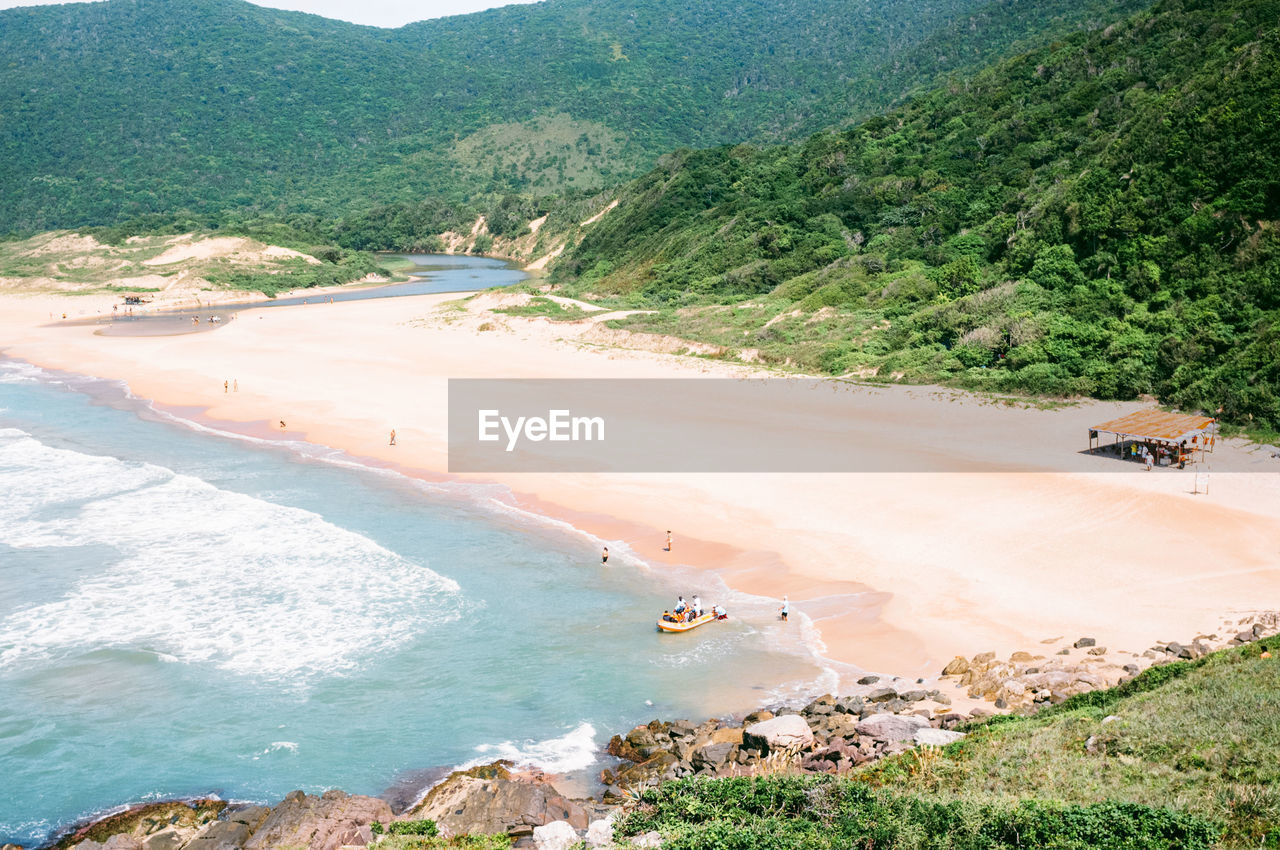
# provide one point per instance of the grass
(1201, 737)
(547, 309)
(1185, 755)
(462, 842)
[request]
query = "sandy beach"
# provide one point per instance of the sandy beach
(898, 571)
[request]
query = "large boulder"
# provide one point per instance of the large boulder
(466, 804)
(936, 737)
(556, 835)
(892, 727)
(326, 822)
(781, 733)
(956, 667)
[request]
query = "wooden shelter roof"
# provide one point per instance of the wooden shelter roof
(1157, 425)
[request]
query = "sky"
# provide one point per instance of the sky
(378, 13)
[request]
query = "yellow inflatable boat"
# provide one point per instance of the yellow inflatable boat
(668, 626)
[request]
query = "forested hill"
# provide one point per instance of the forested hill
(118, 109)
(1098, 216)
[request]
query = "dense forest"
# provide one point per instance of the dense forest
(1098, 216)
(124, 109)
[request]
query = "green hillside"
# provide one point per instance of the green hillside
(1098, 216)
(127, 108)
(1184, 756)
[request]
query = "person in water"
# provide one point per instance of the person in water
(786, 608)
(604, 555)
(668, 540)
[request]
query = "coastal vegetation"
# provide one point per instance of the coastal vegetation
(1094, 217)
(185, 264)
(1187, 754)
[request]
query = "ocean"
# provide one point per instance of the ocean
(186, 612)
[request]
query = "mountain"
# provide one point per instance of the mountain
(120, 109)
(1098, 216)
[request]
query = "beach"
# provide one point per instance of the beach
(897, 571)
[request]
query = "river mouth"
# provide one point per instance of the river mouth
(430, 274)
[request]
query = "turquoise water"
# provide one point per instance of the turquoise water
(184, 612)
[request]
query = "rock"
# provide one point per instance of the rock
(1064, 651)
(780, 733)
(984, 658)
(680, 729)
(758, 716)
(1084, 641)
(468, 804)
(648, 839)
(891, 727)
(730, 735)
(1176, 649)
(1098, 650)
(221, 835)
(557, 835)
(958, 666)
(1110, 718)
(1021, 656)
(600, 832)
(169, 839)
(326, 822)
(882, 695)
(12, 847)
(1132, 669)
(123, 841)
(913, 696)
(712, 755)
(936, 737)
(1246, 637)
(893, 748)
(868, 680)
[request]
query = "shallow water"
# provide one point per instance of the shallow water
(430, 274)
(183, 612)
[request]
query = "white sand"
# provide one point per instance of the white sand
(900, 571)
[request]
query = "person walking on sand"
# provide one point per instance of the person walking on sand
(784, 610)
(668, 540)
(393, 436)
(604, 555)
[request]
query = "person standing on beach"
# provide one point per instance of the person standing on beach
(393, 436)
(604, 555)
(785, 609)
(226, 387)
(668, 540)
(235, 385)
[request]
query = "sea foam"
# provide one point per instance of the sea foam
(203, 574)
(574, 750)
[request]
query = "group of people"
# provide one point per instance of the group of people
(687, 612)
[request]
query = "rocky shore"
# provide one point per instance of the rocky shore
(830, 734)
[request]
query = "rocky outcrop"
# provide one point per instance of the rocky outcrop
(498, 803)
(1026, 681)
(780, 733)
(326, 822)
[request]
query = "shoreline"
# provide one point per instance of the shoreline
(823, 539)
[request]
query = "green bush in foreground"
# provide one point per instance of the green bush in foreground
(458, 842)
(824, 812)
